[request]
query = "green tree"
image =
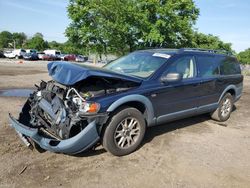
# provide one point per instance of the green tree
(55, 45)
(37, 42)
(244, 57)
(201, 40)
(38, 35)
(20, 39)
(124, 25)
(6, 39)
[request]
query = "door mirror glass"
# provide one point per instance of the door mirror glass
(171, 77)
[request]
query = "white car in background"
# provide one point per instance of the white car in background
(52, 52)
(30, 51)
(55, 53)
(81, 58)
(16, 53)
(8, 54)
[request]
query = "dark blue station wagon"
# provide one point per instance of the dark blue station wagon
(83, 106)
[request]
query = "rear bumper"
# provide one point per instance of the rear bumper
(82, 141)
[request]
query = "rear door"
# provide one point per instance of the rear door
(209, 73)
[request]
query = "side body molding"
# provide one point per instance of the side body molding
(151, 120)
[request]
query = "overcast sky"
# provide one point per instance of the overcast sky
(228, 19)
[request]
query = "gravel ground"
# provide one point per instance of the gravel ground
(194, 152)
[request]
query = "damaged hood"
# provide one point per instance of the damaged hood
(70, 73)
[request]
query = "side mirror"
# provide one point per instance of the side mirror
(171, 77)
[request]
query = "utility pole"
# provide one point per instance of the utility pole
(14, 42)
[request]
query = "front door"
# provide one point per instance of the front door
(175, 100)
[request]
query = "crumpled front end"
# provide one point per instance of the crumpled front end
(82, 141)
(64, 115)
(58, 119)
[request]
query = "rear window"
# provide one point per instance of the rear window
(207, 66)
(229, 66)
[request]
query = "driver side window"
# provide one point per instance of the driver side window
(184, 65)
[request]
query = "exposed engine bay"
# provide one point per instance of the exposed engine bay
(62, 112)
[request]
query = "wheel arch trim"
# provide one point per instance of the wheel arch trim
(233, 87)
(136, 98)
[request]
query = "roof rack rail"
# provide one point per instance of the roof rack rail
(205, 50)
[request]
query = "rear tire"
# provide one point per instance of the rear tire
(223, 112)
(124, 132)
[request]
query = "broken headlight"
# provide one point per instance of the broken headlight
(90, 107)
(83, 105)
(86, 107)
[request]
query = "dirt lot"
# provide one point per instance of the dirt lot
(194, 152)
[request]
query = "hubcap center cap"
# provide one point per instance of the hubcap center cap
(126, 133)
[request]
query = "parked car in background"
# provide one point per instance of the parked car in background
(31, 56)
(40, 55)
(55, 53)
(70, 57)
(52, 52)
(31, 51)
(8, 54)
(48, 57)
(16, 53)
(62, 56)
(2, 54)
(114, 105)
(81, 58)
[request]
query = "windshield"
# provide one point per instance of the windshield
(141, 64)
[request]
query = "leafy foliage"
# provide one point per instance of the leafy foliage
(37, 42)
(8, 39)
(244, 57)
(201, 40)
(117, 25)
(19, 38)
(67, 47)
(5, 39)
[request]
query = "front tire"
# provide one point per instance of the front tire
(223, 112)
(125, 132)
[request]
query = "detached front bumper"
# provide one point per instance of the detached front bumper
(82, 141)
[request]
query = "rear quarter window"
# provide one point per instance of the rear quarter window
(229, 66)
(207, 66)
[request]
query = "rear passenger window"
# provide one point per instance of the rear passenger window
(207, 66)
(229, 65)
